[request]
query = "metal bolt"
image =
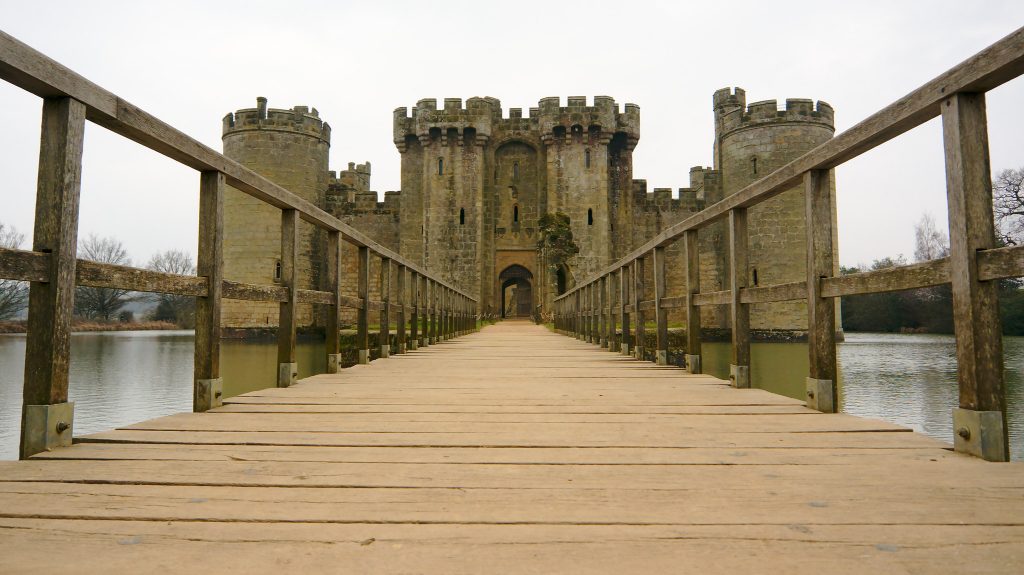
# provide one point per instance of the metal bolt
(964, 433)
(62, 427)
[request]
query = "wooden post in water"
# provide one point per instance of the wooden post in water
(739, 370)
(979, 424)
(660, 315)
(332, 337)
(638, 296)
(822, 390)
(692, 274)
(47, 417)
(624, 341)
(414, 320)
(400, 322)
(287, 368)
(208, 387)
(384, 339)
(363, 293)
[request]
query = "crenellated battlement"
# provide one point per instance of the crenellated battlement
(300, 120)
(452, 122)
(733, 113)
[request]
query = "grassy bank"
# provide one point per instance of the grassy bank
(22, 326)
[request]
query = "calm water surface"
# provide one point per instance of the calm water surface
(118, 378)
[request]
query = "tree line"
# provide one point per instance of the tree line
(930, 310)
(107, 304)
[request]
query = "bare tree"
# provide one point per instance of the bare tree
(102, 303)
(929, 242)
(13, 294)
(1008, 205)
(179, 309)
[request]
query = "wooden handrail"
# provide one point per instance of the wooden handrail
(51, 267)
(958, 96)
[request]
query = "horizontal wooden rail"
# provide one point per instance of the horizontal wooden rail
(34, 72)
(990, 68)
(974, 262)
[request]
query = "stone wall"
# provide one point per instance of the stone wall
(289, 147)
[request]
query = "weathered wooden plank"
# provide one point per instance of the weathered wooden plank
(923, 274)
(289, 312)
(251, 292)
(822, 383)
(51, 303)
(384, 285)
(723, 297)
(207, 391)
(999, 263)
(223, 547)
(979, 340)
(780, 292)
(332, 339)
(23, 265)
(739, 312)
(362, 317)
(96, 274)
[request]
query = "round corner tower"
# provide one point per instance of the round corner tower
(290, 148)
(751, 141)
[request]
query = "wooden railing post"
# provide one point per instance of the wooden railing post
(624, 342)
(363, 293)
(384, 340)
(822, 391)
(400, 322)
(414, 320)
(588, 313)
(610, 288)
(287, 368)
(691, 260)
(638, 295)
(602, 306)
(332, 337)
(660, 315)
(425, 336)
(739, 370)
(433, 311)
(47, 415)
(578, 314)
(979, 424)
(442, 313)
(208, 387)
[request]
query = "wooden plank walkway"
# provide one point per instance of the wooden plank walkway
(511, 450)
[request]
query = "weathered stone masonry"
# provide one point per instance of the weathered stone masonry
(475, 182)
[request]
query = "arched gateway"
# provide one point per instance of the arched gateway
(516, 287)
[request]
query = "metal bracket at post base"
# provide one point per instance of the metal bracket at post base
(624, 349)
(46, 427)
(401, 348)
(820, 395)
(979, 433)
(692, 363)
(333, 362)
(414, 345)
(209, 394)
(385, 351)
(740, 376)
(286, 374)
(364, 356)
(662, 357)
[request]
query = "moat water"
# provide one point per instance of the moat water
(118, 378)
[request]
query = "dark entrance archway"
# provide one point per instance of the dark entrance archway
(516, 286)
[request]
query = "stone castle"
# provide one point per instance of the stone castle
(475, 180)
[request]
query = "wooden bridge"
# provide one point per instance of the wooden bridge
(511, 450)
(514, 448)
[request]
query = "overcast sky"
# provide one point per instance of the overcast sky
(189, 63)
